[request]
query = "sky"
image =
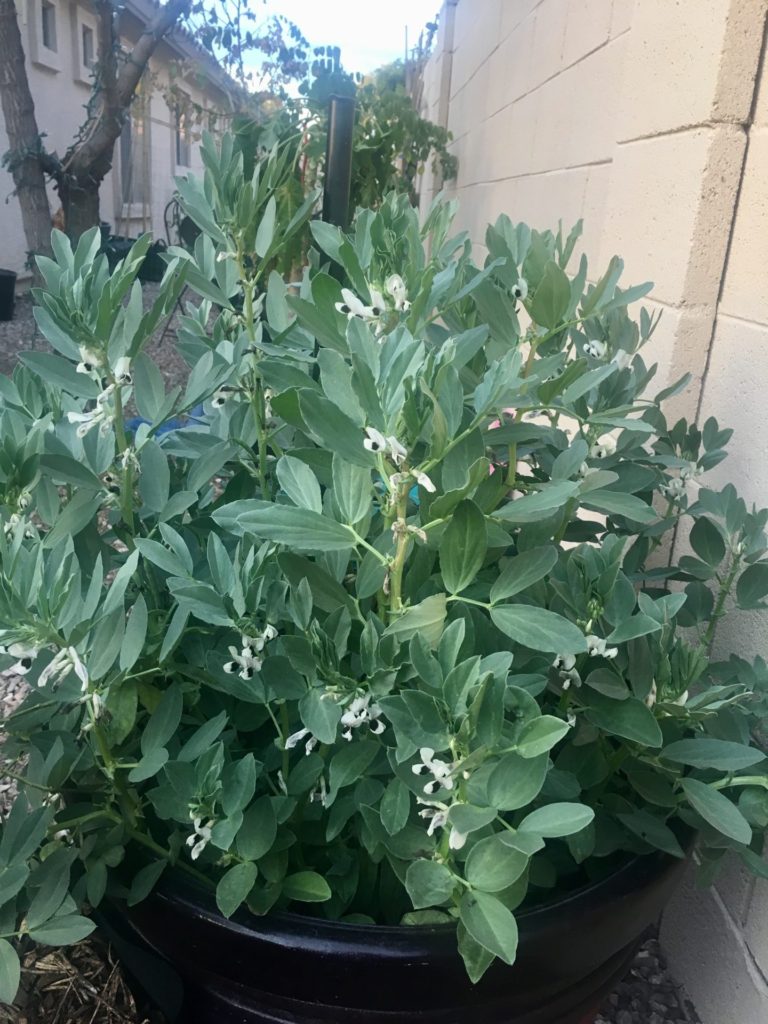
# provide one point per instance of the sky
(369, 32)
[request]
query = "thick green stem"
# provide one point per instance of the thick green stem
(398, 562)
(725, 589)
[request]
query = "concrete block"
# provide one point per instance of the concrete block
(670, 207)
(511, 65)
(761, 106)
(689, 63)
(516, 12)
(588, 25)
(594, 84)
(621, 17)
(469, 105)
(745, 290)
(593, 212)
(549, 39)
(707, 954)
(756, 929)
(735, 394)
(477, 31)
(513, 133)
(736, 883)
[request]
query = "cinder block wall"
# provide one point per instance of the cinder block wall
(649, 119)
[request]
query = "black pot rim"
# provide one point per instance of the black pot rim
(626, 878)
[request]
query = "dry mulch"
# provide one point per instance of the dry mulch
(84, 984)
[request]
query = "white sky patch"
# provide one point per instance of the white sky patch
(369, 32)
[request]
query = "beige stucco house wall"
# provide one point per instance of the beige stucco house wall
(60, 80)
(649, 119)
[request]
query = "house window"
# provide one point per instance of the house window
(89, 49)
(48, 15)
(183, 137)
(134, 160)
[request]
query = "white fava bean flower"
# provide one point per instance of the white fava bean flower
(604, 448)
(377, 443)
(295, 738)
(441, 771)
(622, 358)
(63, 662)
(595, 348)
(423, 481)
(520, 289)
(200, 837)
(674, 489)
(597, 647)
(362, 711)
(90, 361)
(437, 816)
(123, 371)
(24, 653)
(395, 286)
(352, 307)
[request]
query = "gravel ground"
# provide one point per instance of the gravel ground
(86, 985)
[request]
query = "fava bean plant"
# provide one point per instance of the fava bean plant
(400, 611)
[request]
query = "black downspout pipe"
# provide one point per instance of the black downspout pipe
(338, 161)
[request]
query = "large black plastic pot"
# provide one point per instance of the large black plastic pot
(291, 969)
(7, 294)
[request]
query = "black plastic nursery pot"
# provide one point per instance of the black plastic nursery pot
(201, 968)
(7, 294)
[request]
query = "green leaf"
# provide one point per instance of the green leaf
(155, 477)
(541, 734)
(426, 618)
(202, 738)
(556, 820)
(10, 972)
(619, 504)
(348, 765)
(395, 806)
(352, 488)
(59, 373)
(149, 765)
(707, 541)
(538, 505)
(135, 634)
(551, 298)
(299, 483)
(320, 716)
(53, 879)
(723, 755)
(717, 810)
(493, 866)
(12, 881)
(306, 887)
(333, 430)
(234, 887)
(523, 571)
(586, 382)
(63, 469)
(653, 831)
(637, 625)
(630, 719)
(266, 231)
(490, 923)
(258, 831)
(752, 586)
(63, 931)
(297, 528)
(144, 881)
(164, 721)
(516, 781)
(476, 958)
(538, 629)
(161, 556)
(463, 547)
(428, 883)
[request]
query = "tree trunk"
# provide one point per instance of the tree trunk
(80, 203)
(25, 146)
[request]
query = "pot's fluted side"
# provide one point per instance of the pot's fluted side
(289, 969)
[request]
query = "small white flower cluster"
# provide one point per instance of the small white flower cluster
(63, 662)
(603, 448)
(565, 664)
(441, 771)
(377, 443)
(596, 349)
(361, 711)
(352, 307)
(201, 835)
(247, 661)
(520, 289)
(437, 816)
(598, 648)
(296, 737)
(14, 521)
(676, 486)
(102, 416)
(24, 653)
(320, 793)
